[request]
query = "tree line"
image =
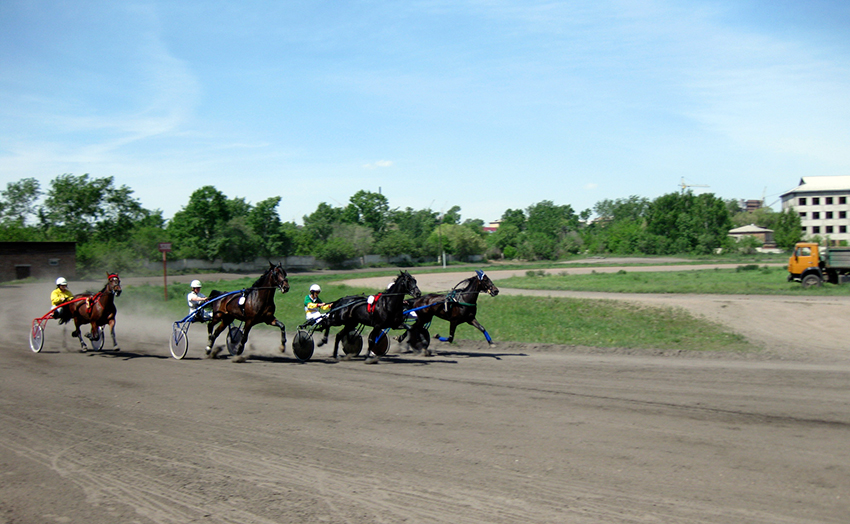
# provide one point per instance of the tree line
(112, 229)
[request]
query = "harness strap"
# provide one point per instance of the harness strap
(370, 308)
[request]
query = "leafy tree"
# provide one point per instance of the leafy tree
(546, 226)
(457, 240)
(412, 229)
(195, 228)
(19, 201)
(336, 251)
(684, 223)
(265, 223)
(371, 210)
(452, 216)
(319, 225)
(77, 207)
(788, 229)
(394, 243)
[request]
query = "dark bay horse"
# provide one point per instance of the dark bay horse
(458, 306)
(98, 310)
(256, 308)
(386, 311)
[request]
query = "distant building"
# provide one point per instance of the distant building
(751, 205)
(492, 226)
(764, 235)
(19, 260)
(822, 204)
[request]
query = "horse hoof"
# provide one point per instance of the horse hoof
(322, 342)
(83, 350)
(373, 360)
(116, 349)
(238, 359)
(207, 351)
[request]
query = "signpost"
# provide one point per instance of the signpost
(165, 247)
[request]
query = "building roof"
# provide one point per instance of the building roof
(749, 230)
(821, 183)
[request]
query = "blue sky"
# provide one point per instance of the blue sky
(488, 105)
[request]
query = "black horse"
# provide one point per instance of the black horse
(458, 306)
(386, 311)
(256, 308)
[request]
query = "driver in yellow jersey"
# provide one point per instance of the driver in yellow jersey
(58, 296)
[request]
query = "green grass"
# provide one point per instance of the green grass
(747, 280)
(594, 323)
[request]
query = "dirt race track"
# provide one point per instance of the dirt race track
(511, 434)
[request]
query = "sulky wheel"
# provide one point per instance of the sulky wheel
(179, 342)
(302, 345)
(352, 344)
(36, 337)
(379, 342)
(420, 339)
(97, 339)
(234, 337)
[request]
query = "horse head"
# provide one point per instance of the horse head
(407, 284)
(486, 284)
(277, 277)
(113, 284)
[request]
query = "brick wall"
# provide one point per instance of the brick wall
(42, 260)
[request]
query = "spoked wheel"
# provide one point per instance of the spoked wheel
(36, 337)
(97, 339)
(234, 338)
(179, 342)
(379, 342)
(352, 344)
(302, 345)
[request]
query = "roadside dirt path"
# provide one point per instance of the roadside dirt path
(473, 435)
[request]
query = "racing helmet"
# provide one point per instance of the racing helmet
(195, 283)
(315, 287)
(61, 281)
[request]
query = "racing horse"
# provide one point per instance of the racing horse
(458, 306)
(255, 305)
(386, 311)
(98, 309)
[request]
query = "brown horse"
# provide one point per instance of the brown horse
(98, 310)
(458, 306)
(254, 305)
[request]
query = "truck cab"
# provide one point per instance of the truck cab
(811, 264)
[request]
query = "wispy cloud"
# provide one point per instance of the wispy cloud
(379, 163)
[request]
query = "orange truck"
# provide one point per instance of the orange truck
(811, 264)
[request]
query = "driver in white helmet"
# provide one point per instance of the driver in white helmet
(313, 307)
(59, 296)
(196, 299)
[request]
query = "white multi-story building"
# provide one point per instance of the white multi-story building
(823, 203)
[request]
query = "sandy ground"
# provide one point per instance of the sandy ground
(511, 434)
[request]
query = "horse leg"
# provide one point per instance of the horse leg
(452, 327)
(277, 323)
(327, 332)
(480, 328)
(241, 349)
(214, 335)
(112, 332)
(76, 333)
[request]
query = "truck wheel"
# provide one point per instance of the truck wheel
(811, 280)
